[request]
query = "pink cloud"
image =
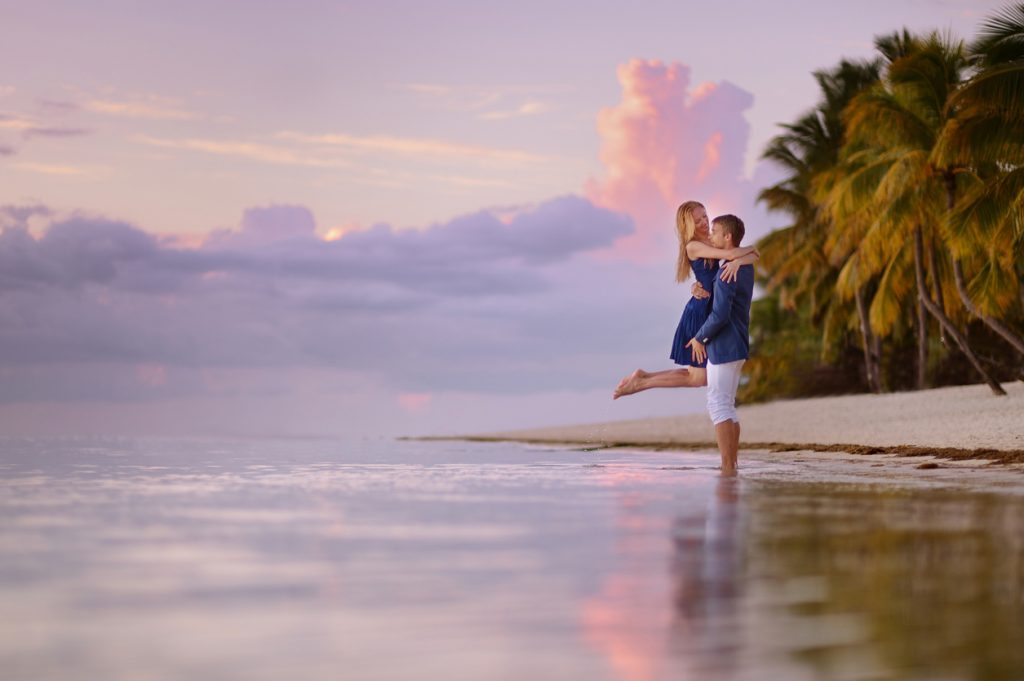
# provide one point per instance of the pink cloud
(667, 142)
(414, 402)
(151, 374)
(267, 226)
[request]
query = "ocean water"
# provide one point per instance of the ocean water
(376, 559)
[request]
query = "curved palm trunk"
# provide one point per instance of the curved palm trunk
(876, 348)
(922, 336)
(940, 299)
(870, 360)
(941, 317)
(961, 287)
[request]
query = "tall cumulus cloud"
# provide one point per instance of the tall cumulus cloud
(667, 141)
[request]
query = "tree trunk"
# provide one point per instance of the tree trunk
(940, 299)
(876, 348)
(993, 323)
(941, 317)
(949, 180)
(922, 339)
(922, 332)
(870, 364)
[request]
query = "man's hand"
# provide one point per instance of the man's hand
(697, 350)
(698, 291)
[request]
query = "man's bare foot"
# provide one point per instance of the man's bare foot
(630, 384)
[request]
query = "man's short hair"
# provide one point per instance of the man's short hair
(732, 225)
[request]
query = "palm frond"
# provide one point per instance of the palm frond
(905, 176)
(976, 139)
(845, 238)
(779, 150)
(998, 89)
(864, 171)
(994, 289)
(882, 243)
(836, 324)
(849, 279)
(1001, 37)
(877, 118)
(992, 211)
(780, 198)
(896, 44)
(924, 79)
(894, 288)
(842, 83)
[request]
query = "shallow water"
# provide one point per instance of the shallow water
(174, 559)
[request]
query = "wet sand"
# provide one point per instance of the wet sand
(961, 426)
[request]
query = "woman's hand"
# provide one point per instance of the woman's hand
(730, 271)
(698, 291)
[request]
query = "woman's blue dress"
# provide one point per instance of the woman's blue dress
(695, 313)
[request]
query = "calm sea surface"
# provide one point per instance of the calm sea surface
(210, 559)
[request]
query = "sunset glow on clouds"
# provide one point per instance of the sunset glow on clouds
(669, 141)
(414, 402)
(405, 306)
(316, 219)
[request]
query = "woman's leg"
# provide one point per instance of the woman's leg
(639, 380)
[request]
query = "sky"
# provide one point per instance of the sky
(374, 219)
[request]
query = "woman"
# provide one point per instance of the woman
(695, 253)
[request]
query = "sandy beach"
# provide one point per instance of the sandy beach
(965, 423)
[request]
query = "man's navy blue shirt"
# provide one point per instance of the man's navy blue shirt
(726, 333)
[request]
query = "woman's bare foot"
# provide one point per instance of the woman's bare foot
(630, 384)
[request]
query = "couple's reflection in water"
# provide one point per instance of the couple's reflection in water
(668, 609)
(706, 565)
(722, 579)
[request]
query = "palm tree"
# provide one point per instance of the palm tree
(890, 172)
(988, 137)
(802, 273)
(900, 189)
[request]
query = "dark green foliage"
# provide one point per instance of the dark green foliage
(927, 139)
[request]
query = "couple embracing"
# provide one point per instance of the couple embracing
(712, 340)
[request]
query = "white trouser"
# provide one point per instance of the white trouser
(723, 380)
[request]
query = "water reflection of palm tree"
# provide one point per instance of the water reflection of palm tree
(706, 566)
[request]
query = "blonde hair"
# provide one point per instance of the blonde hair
(686, 226)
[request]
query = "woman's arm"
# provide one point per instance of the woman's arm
(731, 269)
(698, 249)
(748, 259)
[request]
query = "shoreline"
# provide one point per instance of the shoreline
(958, 423)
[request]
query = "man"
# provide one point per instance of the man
(724, 339)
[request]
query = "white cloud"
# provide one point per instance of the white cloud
(150, 108)
(250, 150)
(531, 108)
(411, 146)
(15, 123)
(53, 169)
